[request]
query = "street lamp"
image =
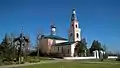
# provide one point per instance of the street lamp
(38, 40)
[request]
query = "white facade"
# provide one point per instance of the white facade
(66, 50)
(73, 49)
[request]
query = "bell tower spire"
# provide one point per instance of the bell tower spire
(74, 17)
(74, 33)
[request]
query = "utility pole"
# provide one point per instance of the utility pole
(39, 34)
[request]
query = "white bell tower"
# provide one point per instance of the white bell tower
(74, 33)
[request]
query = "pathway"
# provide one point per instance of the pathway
(41, 62)
(17, 65)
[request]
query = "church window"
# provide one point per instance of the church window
(77, 35)
(68, 51)
(76, 26)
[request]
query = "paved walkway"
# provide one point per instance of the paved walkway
(17, 65)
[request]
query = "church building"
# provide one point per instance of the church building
(56, 44)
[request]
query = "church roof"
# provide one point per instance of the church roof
(54, 37)
(64, 43)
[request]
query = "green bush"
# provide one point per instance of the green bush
(7, 63)
(34, 60)
(105, 56)
(1, 62)
(101, 59)
(22, 62)
(118, 59)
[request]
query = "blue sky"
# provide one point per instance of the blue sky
(98, 19)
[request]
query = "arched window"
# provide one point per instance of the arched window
(76, 26)
(77, 35)
(68, 51)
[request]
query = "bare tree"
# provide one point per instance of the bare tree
(22, 43)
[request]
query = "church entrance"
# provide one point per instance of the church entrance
(76, 49)
(75, 52)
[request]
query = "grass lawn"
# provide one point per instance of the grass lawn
(75, 64)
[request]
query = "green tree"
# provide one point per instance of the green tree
(96, 45)
(81, 47)
(6, 47)
(9, 47)
(104, 48)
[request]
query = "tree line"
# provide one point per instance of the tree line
(9, 47)
(82, 50)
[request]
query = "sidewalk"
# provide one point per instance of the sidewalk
(17, 65)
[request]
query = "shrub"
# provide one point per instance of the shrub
(105, 56)
(34, 60)
(7, 63)
(22, 62)
(101, 59)
(118, 59)
(1, 62)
